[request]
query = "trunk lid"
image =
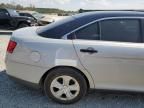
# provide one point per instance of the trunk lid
(24, 34)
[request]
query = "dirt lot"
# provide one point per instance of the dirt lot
(3, 45)
(14, 95)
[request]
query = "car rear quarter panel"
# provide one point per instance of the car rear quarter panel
(51, 53)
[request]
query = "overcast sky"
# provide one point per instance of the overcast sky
(85, 4)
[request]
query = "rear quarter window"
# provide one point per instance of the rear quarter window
(57, 30)
(90, 32)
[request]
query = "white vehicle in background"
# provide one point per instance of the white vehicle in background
(39, 18)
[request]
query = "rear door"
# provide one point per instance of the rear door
(111, 50)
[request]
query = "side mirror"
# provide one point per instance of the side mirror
(6, 14)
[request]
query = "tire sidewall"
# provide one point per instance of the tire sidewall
(69, 72)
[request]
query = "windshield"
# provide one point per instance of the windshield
(13, 12)
(37, 15)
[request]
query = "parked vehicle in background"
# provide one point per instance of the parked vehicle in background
(39, 18)
(9, 18)
(94, 50)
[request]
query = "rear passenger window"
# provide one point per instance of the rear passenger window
(120, 30)
(90, 32)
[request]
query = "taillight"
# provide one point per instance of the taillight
(11, 46)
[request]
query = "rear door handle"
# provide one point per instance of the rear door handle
(89, 50)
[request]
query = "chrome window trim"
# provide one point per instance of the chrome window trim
(98, 20)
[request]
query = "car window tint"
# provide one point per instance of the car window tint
(142, 30)
(89, 33)
(120, 30)
(29, 15)
(3, 12)
(13, 12)
(22, 14)
(58, 29)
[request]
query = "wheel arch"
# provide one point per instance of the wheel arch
(21, 22)
(88, 81)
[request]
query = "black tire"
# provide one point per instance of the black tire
(68, 72)
(22, 25)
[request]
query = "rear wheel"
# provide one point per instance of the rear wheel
(22, 25)
(65, 85)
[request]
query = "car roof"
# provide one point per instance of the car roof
(102, 14)
(63, 27)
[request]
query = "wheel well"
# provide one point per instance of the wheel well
(23, 22)
(45, 75)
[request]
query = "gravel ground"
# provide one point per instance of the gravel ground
(14, 95)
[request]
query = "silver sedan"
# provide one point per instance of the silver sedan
(94, 50)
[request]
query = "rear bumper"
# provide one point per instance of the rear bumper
(25, 74)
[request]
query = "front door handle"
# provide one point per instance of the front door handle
(89, 50)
